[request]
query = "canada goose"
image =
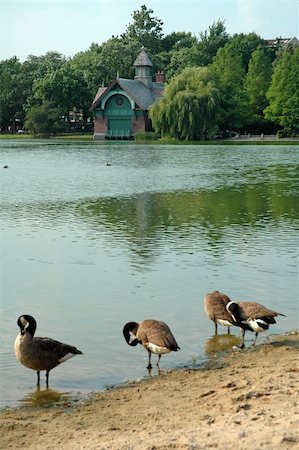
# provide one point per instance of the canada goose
(252, 316)
(154, 335)
(215, 307)
(40, 353)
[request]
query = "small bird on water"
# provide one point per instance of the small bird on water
(40, 353)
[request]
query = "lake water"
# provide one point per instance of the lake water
(94, 235)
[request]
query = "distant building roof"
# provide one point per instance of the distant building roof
(282, 41)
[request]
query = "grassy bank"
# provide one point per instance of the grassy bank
(89, 138)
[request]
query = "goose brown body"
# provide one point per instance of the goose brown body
(40, 353)
(154, 335)
(252, 316)
(215, 308)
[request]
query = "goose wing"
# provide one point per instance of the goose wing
(157, 333)
(55, 348)
(215, 306)
(257, 311)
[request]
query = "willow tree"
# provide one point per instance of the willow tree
(188, 107)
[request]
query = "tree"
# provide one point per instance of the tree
(187, 109)
(11, 97)
(64, 88)
(229, 72)
(117, 56)
(16, 80)
(257, 81)
(146, 30)
(177, 40)
(180, 60)
(209, 43)
(244, 45)
(191, 52)
(44, 119)
(283, 93)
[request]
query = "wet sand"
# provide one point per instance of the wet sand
(241, 400)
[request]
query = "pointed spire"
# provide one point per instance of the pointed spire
(142, 59)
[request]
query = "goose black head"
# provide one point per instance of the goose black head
(129, 331)
(27, 324)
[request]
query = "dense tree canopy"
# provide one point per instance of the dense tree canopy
(283, 94)
(236, 91)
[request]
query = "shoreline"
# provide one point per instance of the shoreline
(241, 399)
(89, 138)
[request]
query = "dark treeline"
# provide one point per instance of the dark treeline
(216, 83)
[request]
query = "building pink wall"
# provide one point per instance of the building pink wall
(100, 125)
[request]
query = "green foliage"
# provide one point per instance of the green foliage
(211, 40)
(283, 93)
(64, 88)
(146, 30)
(258, 79)
(229, 73)
(188, 108)
(145, 136)
(244, 45)
(11, 98)
(191, 52)
(44, 120)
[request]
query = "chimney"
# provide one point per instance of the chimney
(160, 77)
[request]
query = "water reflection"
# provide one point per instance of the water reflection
(221, 343)
(46, 397)
(147, 220)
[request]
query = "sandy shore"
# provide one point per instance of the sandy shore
(243, 400)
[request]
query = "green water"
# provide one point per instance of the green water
(94, 235)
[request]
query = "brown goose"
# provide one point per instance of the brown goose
(215, 308)
(40, 353)
(154, 335)
(252, 316)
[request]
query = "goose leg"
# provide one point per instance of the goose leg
(47, 378)
(159, 357)
(228, 330)
(149, 366)
(216, 328)
(243, 338)
(38, 378)
(256, 335)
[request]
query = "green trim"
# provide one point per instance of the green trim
(115, 92)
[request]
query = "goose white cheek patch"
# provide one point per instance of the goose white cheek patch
(132, 338)
(24, 322)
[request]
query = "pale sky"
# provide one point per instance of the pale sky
(70, 26)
